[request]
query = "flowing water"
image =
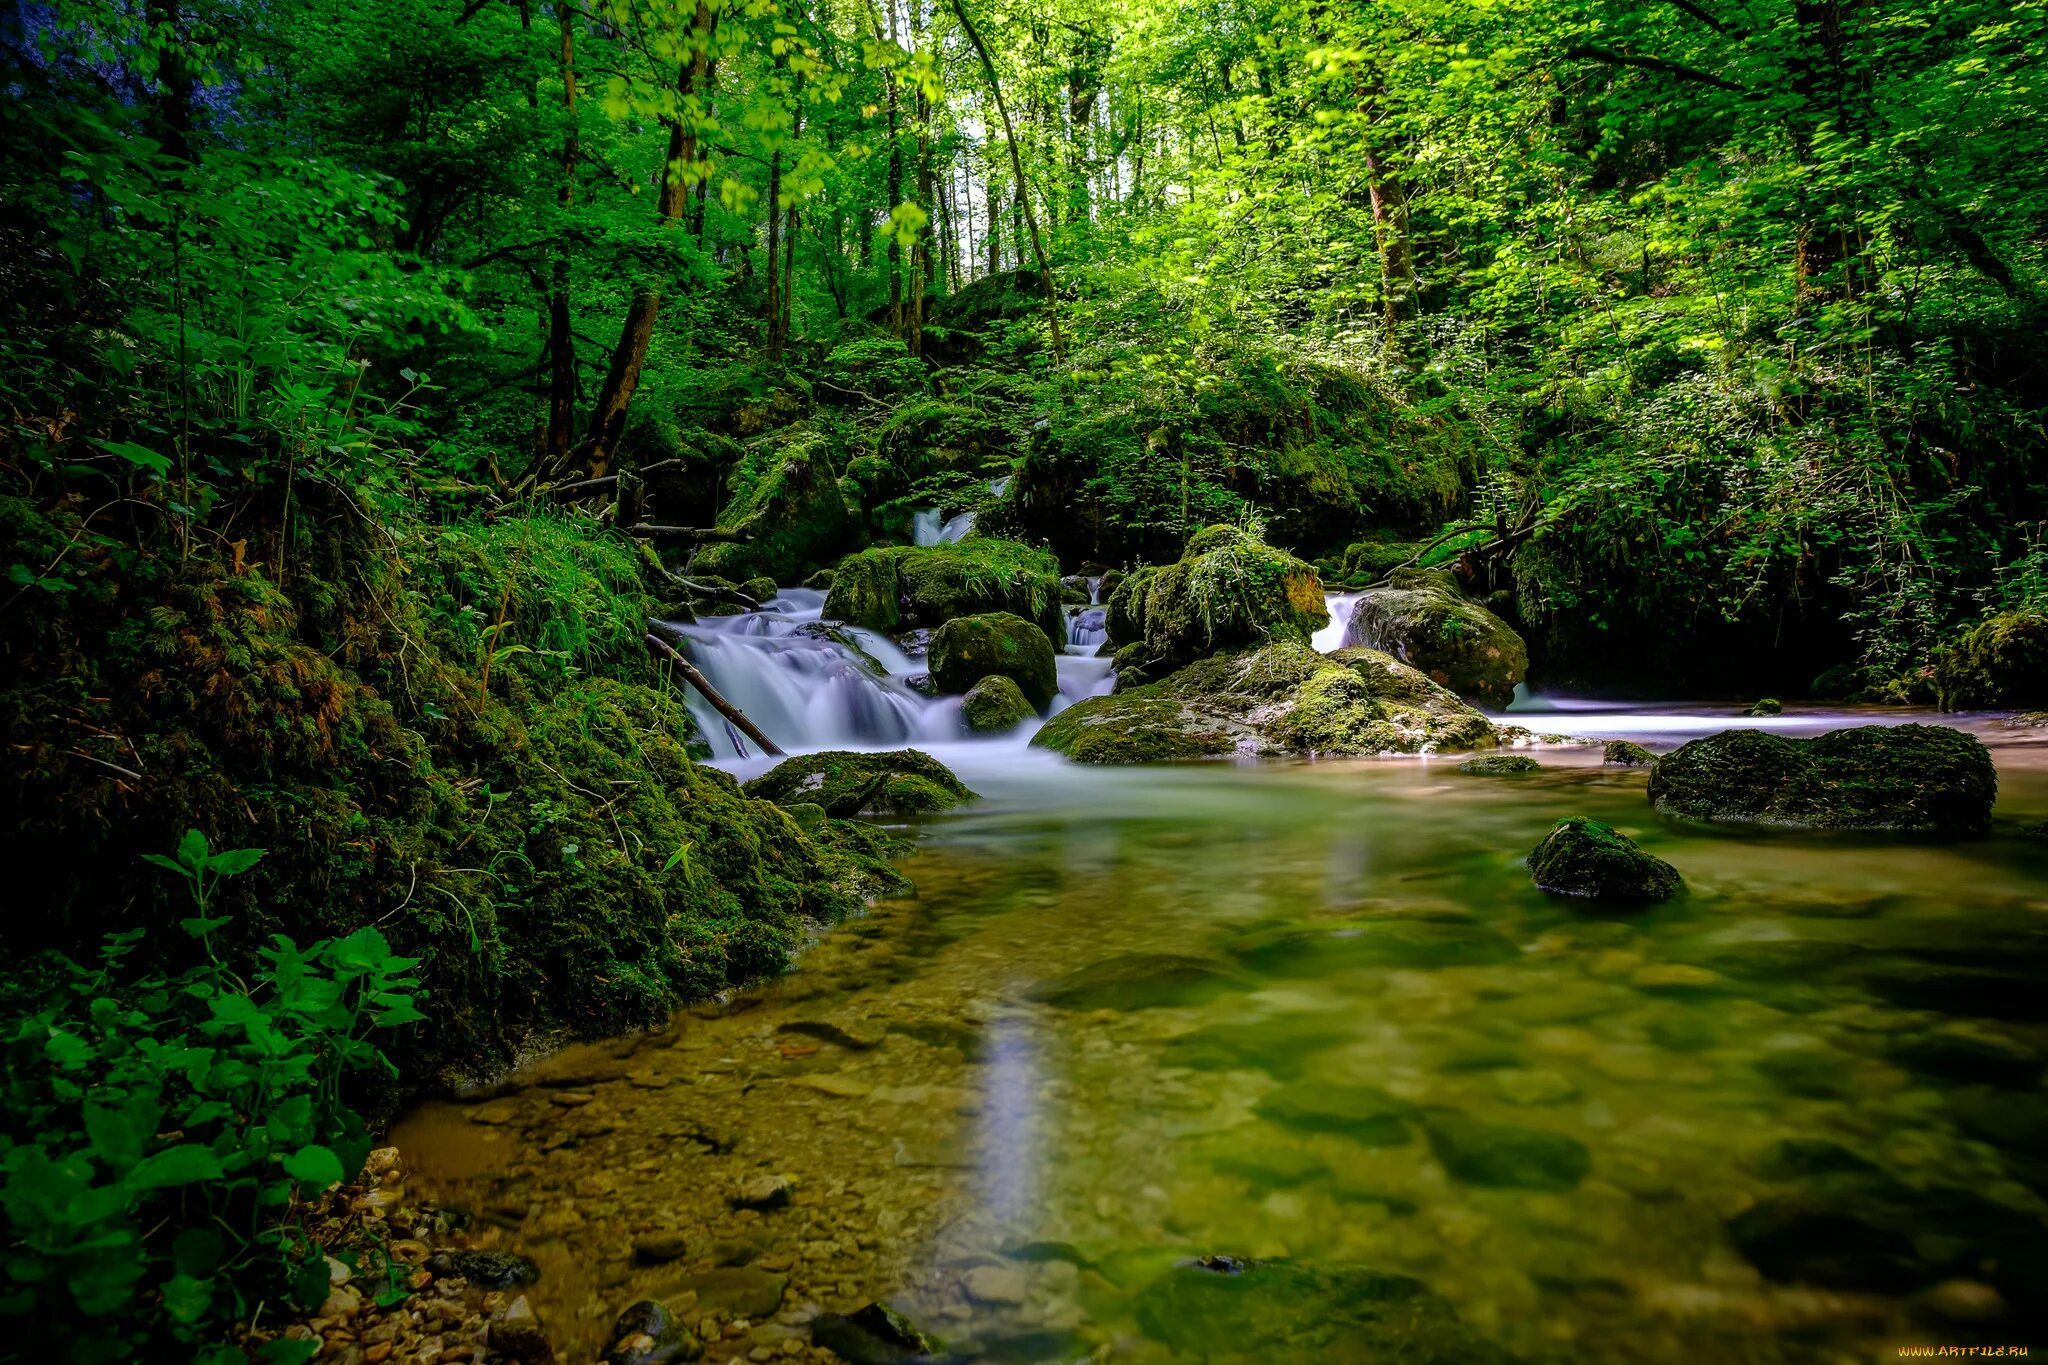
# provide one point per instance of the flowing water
(1314, 1014)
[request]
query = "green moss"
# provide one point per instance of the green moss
(967, 649)
(878, 367)
(1500, 765)
(2000, 662)
(1768, 706)
(1230, 590)
(901, 587)
(1622, 753)
(900, 782)
(1135, 729)
(786, 504)
(1919, 778)
(995, 705)
(1581, 857)
(1423, 619)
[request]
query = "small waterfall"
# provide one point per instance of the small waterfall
(1086, 628)
(1332, 636)
(927, 529)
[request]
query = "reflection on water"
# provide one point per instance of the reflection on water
(1315, 1015)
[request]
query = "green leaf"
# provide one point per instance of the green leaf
(314, 1165)
(186, 1299)
(192, 850)
(184, 1164)
(142, 457)
(234, 861)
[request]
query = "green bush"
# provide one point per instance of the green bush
(164, 1130)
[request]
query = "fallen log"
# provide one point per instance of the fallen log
(696, 679)
(700, 533)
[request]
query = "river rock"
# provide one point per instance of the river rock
(1500, 765)
(1228, 590)
(1595, 861)
(995, 705)
(515, 1333)
(1622, 753)
(899, 782)
(659, 1248)
(1321, 948)
(1925, 779)
(1364, 1113)
(852, 1034)
(736, 1291)
(1422, 619)
(1137, 981)
(873, 1334)
(1824, 1242)
(763, 1192)
(484, 1269)
(1280, 698)
(647, 1333)
(967, 649)
(1228, 1309)
(899, 588)
(995, 1285)
(788, 509)
(1504, 1156)
(1969, 991)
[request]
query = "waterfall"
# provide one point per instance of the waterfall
(927, 529)
(810, 684)
(1332, 636)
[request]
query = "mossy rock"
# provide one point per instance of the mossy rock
(787, 505)
(1500, 765)
(899, 782)
(1229, 590)
(1923, 779)
(995, 705)
(878, 367)
(2000, 662)
(1426, 622)
(1368, 561)
(910, 587)
(1282, 698)
(1765, 706)
(967, 649)
(1585, 858)
(1622, 753)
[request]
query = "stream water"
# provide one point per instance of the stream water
(1314, 1014)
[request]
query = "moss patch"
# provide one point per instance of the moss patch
(968, 649)
(786, 503)
(903, 587)
(1229, 590)
(845, 784)
(2001, 662)
(1424, 620)
(1581, 857)
(995, 705)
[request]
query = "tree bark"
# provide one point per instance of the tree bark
(561, 334)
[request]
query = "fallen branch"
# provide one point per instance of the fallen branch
(712, 695)
(727, 533)
(715, 592)
(606, 481)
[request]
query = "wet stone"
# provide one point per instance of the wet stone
(995, 1285)
(1363, 1113)
(1971, 1055)
(484, 1269)
(737, 1291)
(660, 1248)
(1136, 981)
(853, 1035)
(647, 1333)
(873, 1334)
(1505, 1156)
(763, 1192)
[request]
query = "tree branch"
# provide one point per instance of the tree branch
(1643, 62)
(711, 694)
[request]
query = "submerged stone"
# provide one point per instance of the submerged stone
(484, 1269)
(1970, 991)
(874, 1334)
(1824, 1242)
(1595, 861)
(900, 782)
(1423, 620)
(647, 1333)
(1137, 981)
(738, 1291)
(1505, 1156)
(1279, 1046)
(1971, 1055)
(1363, 1113)
(1316, 950)
(968, 649)
(1925, 779)
(1230, 1309)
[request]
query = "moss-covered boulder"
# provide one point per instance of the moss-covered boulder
(1500, 765)
(786, 506)
(994, 705)
(1585, 858)
(899, 782)
(1227, 591)
(1623, 753)
(967, 649)
(1282, 698)
(1423, 620)
(2001, 662)
(1765, 706)
(909, 587)
(1926, 779)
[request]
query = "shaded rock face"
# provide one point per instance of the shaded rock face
(1999, 663)
(790, 511)
(994, 705)
(1283, 698)
(1922, 779)
(1000, 644)
(1424, 621)
(1226, 1308)
(900, 782)
(1228, 590)
(901, 588)
(1586, 858)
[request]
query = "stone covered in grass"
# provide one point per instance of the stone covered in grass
(1424, 620)
(911, 587)
(900, 782)
(1500, 765)
(1228, 590)
(967, 649)
(1283, 698)
(1622, 753)
(2000, 662)
(1581, 857)
(995, 705)
(1923, 779)
(787, 505)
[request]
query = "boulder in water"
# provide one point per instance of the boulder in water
(995, 705)
(903, 587)
(1922, 779)
(1228, 590)
(787, 506)
(1767, 706)
(1622, 753)
(1581, 857)
(1282, 698)
(967, 649)
(900, 782)
(1500, 765)
(647, 1333)
(1423, 620)
(873, 1334)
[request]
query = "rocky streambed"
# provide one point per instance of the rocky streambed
(1295, 1062)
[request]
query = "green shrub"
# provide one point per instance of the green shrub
(163, 1129)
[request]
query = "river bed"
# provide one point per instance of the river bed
(1315, 1015)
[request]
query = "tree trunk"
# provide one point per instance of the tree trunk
(561, 335)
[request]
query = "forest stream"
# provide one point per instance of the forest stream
(1313, 1014)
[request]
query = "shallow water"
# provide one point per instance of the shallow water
(1388, 1051)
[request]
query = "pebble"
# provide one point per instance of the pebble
(994, 1285)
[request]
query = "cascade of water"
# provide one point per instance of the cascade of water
(1087, 628)
(1332, 636)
